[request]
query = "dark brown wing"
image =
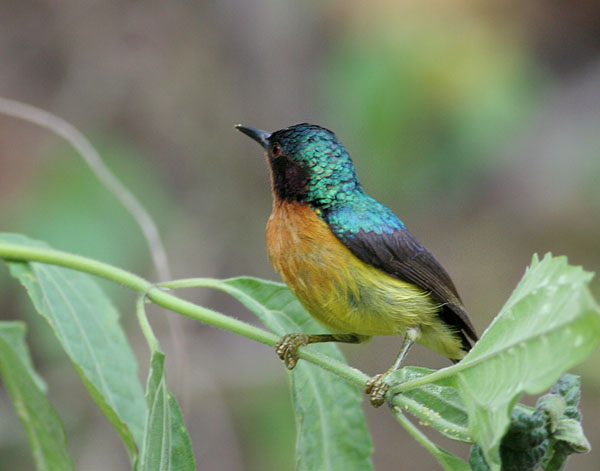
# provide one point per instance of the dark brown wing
(402, 256)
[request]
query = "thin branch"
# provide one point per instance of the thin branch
(446, 459)
(173, 303)
(151, 339)
(59, 126)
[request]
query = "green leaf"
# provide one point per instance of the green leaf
(436, 405)
(549, 324)
(331, 428)
(167, 445)
(87, 326)
(571, 432)
(448, 461)
(42, 424)
(544, 436)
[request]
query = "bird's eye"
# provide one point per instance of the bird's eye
(275, 150)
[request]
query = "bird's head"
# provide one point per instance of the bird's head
(307, 164)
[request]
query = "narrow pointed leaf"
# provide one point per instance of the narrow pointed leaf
(42, 424)
(331, 428)
(167, 444)
(549, 324)
(87, 326)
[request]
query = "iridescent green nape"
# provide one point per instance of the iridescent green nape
(333, 186)
(332, 176)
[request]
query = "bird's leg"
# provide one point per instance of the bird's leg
(375, 387)
(288, 345)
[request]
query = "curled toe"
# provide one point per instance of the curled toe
(288, 345)
(376, 390)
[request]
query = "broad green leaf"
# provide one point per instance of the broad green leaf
(549, 324)
(167, 444)
(435, 405)
(87, 326)
(43, 427)
(331, 428)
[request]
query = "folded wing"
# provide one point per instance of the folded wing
(400, 255)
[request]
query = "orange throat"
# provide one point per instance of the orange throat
(297, 242)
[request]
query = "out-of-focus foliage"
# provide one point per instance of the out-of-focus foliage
(65, 202)
(429, 104)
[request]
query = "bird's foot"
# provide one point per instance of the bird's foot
(376, 389)
(288, 345)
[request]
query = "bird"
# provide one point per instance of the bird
(348, 259)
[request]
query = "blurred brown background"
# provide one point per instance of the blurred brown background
(477, 124)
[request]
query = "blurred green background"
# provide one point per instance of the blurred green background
(478, 124)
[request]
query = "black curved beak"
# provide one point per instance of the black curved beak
(260, 136)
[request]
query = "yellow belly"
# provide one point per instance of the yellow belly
(341, 291)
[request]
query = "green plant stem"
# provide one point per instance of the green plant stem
(160, 297)
(445, 459)
(415, 432)
(428, 417)
(218, 284)
(151, 339)
(430, 378)
(353, 375)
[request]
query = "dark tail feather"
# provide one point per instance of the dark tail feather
(455, 316)
(466, 346)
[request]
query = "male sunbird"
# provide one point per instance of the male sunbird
(348, 259)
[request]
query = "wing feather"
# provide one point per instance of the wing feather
(400, 255)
